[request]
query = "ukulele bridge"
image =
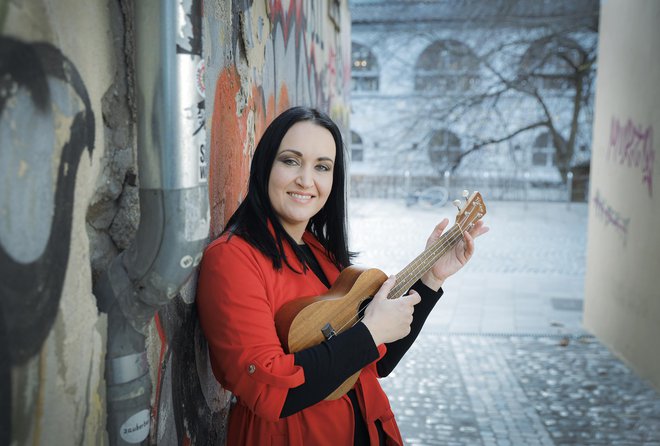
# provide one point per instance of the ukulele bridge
(328, 331)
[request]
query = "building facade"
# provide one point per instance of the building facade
(494, 95)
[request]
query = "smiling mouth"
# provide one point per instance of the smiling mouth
(300, 196)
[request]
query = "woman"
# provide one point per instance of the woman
(288, 240)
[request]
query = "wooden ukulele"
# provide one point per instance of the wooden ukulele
(308, 321)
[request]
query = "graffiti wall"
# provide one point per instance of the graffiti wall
(275, 54)
(622, 300)
(69, 194)
(261, 58)
(52, 337)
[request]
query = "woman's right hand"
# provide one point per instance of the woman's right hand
(389, 320)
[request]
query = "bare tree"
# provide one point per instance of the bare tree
(520, 86)
(438, 82)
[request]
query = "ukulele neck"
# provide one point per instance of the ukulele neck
(423, 262)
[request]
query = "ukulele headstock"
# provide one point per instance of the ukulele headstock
(473, 210)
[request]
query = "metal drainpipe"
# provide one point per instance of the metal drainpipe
(174, 209)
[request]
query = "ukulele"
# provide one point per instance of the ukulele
(308, 321)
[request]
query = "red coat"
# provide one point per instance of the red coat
(238, 294)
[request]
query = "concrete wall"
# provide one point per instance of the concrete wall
(69, 204)
(51, 150)
(622, 297)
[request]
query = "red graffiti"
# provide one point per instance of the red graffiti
(286, 20)
(159, 378)
(632, 146)
(231, 146)
(304, 20)
(228, 167)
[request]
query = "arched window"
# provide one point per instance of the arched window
(357, 149)
(444, 149)
(553, 63)
(543, 152)
(364, 69)
(447, 65)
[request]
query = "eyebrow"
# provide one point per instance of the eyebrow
(295, 152)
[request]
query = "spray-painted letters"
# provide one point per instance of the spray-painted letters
(632, 145)
(609, 216)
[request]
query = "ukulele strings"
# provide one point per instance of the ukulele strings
(448, 243)
(419, 263)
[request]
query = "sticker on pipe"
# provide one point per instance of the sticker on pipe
(136, 428)
(200, 73)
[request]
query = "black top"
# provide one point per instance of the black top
(332, 362)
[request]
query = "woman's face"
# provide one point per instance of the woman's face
(301, 176)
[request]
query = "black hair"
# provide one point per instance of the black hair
(250, 221)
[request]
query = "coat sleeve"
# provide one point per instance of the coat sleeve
(237, 319)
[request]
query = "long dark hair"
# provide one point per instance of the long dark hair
(250, 221)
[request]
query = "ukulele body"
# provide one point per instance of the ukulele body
(308, 321)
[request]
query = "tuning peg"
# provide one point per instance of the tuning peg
(466, 194)
(457, 203)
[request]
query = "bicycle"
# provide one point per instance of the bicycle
(434, 196)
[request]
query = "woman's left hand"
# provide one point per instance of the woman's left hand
(455, 258)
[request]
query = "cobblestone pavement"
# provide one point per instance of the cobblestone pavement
(504, 358)
(520, 390)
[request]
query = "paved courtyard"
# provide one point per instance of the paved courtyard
(504, 358)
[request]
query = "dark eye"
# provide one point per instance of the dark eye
(290, 161)
(324, 168)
